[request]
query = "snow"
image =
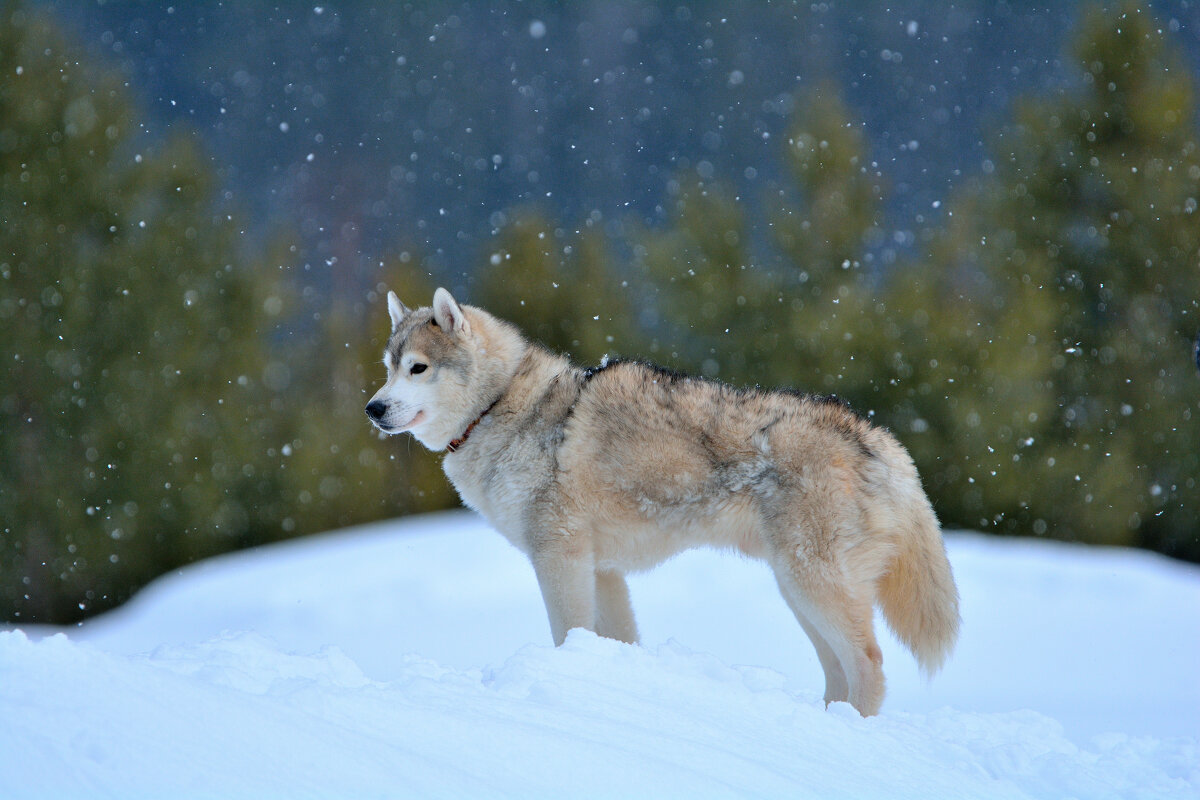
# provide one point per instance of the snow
(412, 659)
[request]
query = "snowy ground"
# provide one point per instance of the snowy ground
(412, 659)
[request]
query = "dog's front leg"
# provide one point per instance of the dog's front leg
(614, 614)
(567, 578)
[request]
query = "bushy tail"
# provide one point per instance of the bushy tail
(917, 593)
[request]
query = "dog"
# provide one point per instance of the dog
(595, 473)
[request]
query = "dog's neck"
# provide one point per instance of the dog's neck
(505, 351)
(455, 444)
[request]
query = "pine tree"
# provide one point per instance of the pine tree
(1067, 300)
(1037, 357)
(136, 397)
(713, 305)
(560, 287)
(827, 228)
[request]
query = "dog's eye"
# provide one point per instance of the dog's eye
(417, 369)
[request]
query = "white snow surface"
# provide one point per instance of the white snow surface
(413, 659)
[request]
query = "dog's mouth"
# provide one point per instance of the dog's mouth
(392, 429)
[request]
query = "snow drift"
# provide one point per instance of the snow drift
(412, 659)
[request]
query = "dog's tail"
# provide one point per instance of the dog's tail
(917, 592)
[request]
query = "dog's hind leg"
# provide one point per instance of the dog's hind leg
(836, 688)
(614, 614)
(842, 618)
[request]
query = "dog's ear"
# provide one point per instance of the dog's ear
(397, 310)
(447, 314)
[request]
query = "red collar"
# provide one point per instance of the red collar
(460, 441)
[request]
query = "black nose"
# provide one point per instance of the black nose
(375, 410)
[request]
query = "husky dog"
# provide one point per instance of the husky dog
(595, 473)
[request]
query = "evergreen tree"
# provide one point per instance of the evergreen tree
(714, 304)
(1066, 290)
(559, 287)
(1037, 357)
(136, 397)
(827, 231)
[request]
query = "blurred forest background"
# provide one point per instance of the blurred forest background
(977, 223)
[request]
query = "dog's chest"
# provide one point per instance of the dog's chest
(501, 483)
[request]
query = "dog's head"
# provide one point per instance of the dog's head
(434, 376)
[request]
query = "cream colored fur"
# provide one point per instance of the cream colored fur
(597, 473)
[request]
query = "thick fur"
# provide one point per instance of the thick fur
(595, 473)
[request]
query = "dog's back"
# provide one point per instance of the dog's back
(771, 473)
